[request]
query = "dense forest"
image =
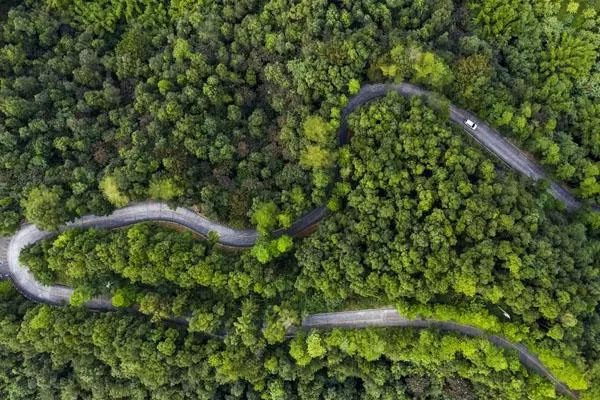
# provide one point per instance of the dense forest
(232, 108)
(65, 354)
(214, 104)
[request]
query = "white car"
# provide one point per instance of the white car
(471, 124)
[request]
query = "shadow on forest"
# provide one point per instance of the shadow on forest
(5, 6)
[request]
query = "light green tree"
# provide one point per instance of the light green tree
(431, 70)
(110, 190)
(44, 207)
(317, 130)
(315, 157)
(165, 189)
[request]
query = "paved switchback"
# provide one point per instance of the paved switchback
(485, 135)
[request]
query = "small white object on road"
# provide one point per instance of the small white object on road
(471, 124)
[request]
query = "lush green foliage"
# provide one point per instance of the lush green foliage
(199, 103)
(431, 221)
(167, 273)
(432, 216)
(232, 108)
(441, 233)
(64, 353)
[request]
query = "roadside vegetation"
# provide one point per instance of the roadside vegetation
(441, 234)
(232, 108)
(225, 106)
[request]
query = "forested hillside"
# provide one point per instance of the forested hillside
(224, 105)
(426, 223)
(232, 108)
(67, 354)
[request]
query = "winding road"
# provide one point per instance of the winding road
(486, 136)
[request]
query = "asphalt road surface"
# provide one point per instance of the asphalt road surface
(486, 136)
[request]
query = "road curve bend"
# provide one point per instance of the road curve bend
(389, 317)
(485, 135)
